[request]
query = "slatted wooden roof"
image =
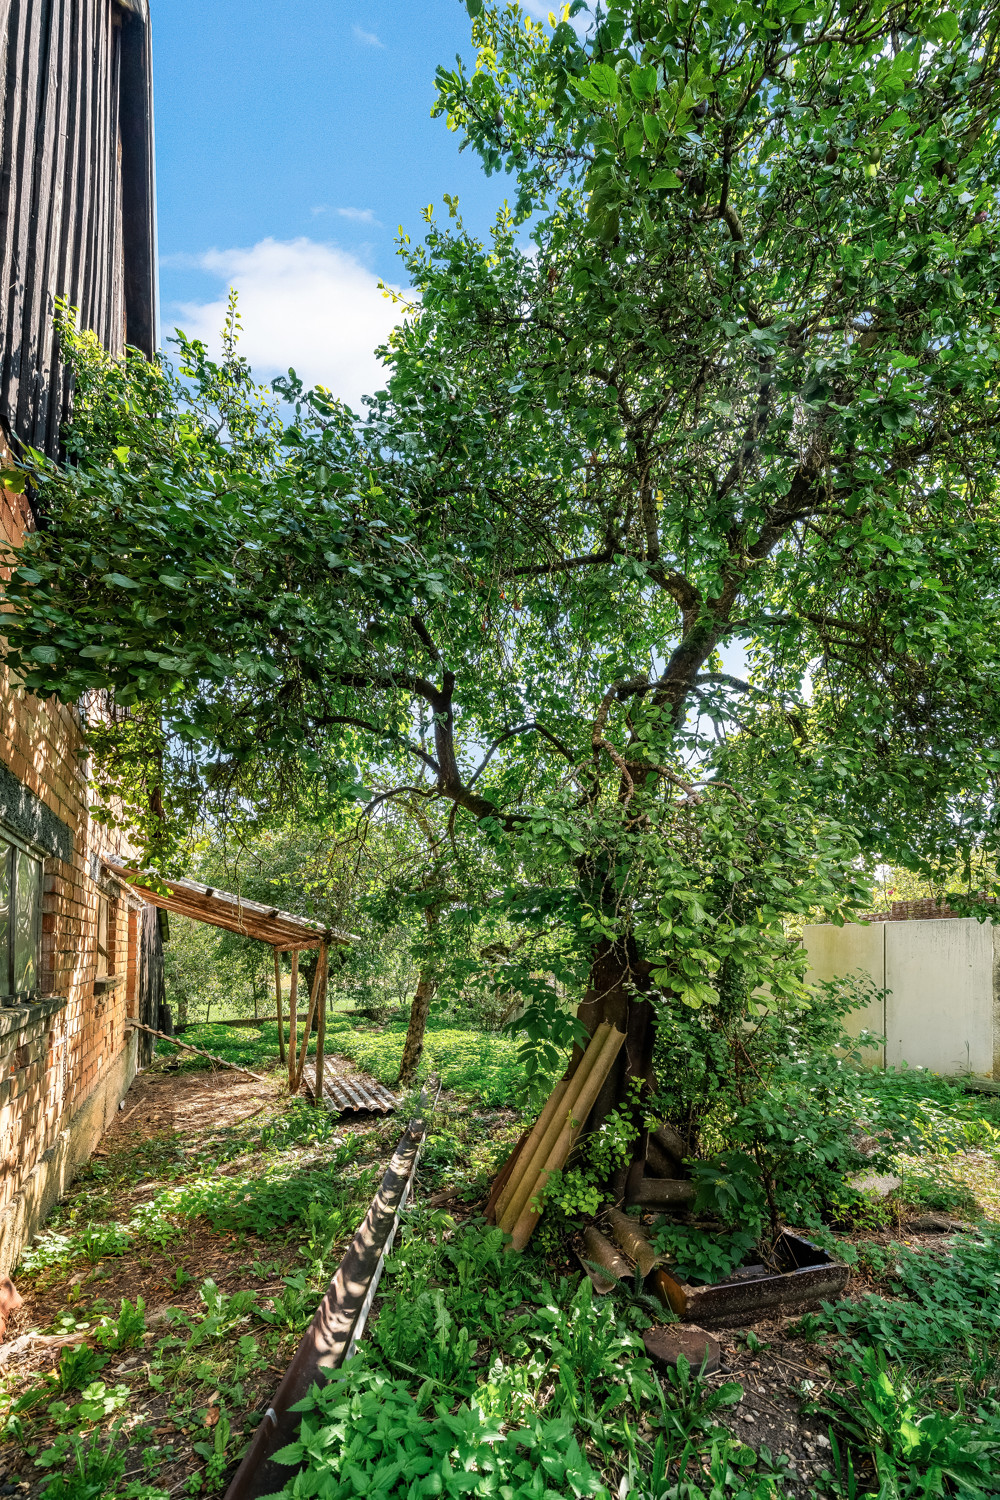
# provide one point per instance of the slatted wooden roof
(282, 929)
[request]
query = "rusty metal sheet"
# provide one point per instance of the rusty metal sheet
(811, 1276)
(352, 1095)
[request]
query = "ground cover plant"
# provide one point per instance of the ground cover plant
(189, 1258)
(485, 1373)
(464, 1059)
(481, 1368)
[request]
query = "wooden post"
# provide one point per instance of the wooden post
(307, 1028)
(293, 995)
(277, 992)
(321, 1029)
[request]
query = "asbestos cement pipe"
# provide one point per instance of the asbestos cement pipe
(631, 1238)
(582, 1105)
(524, 1177)
(528, 1147)
(601, 1261)
(662, 1192)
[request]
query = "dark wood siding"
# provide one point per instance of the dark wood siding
(77, 205)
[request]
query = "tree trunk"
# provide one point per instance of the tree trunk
(615, 993)
(419, 1010)
(426, 985)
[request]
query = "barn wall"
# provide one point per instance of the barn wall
(76, 194)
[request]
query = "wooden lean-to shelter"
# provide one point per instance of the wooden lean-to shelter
(281, 930)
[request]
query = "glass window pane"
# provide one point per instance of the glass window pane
(102, 936)
(27, 922)
(5, 872)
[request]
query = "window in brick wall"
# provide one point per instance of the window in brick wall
(102, 937)
(20, 921)
(107, 928)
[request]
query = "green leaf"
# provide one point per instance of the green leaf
(604, 79)
(942, 27)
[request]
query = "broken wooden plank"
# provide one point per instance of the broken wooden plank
(200, 1051)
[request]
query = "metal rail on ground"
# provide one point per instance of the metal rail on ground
(338, 1322)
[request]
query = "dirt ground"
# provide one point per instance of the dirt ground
(780, 1375)
(163, 1100)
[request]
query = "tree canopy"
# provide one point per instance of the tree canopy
(723, 373)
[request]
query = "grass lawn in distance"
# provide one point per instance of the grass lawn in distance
(473, 1064)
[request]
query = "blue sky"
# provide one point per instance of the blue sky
(291, 142)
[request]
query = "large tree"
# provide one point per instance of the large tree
(724, 373)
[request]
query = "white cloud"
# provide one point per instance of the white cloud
(366, 38)
(358, 215)
(303, 304)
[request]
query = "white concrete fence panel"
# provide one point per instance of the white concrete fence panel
(942, 983)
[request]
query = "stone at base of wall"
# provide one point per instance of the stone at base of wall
(53, 1173)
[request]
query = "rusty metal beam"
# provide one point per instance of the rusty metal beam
(338, 1323)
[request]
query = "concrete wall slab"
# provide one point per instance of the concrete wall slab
(836, 952)
(939, 1013)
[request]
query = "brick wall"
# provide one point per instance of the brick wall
(53, 1054)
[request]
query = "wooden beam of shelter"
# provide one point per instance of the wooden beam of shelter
(186, 1047)
(269, 924)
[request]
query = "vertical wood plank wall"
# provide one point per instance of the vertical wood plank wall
(77, 212)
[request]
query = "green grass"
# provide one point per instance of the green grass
(482, 1065)
(205, 1283)
(254, 1047)
(925, 1113)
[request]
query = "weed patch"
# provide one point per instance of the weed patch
(942, 1307)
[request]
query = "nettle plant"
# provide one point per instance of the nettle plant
(769, 1098)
